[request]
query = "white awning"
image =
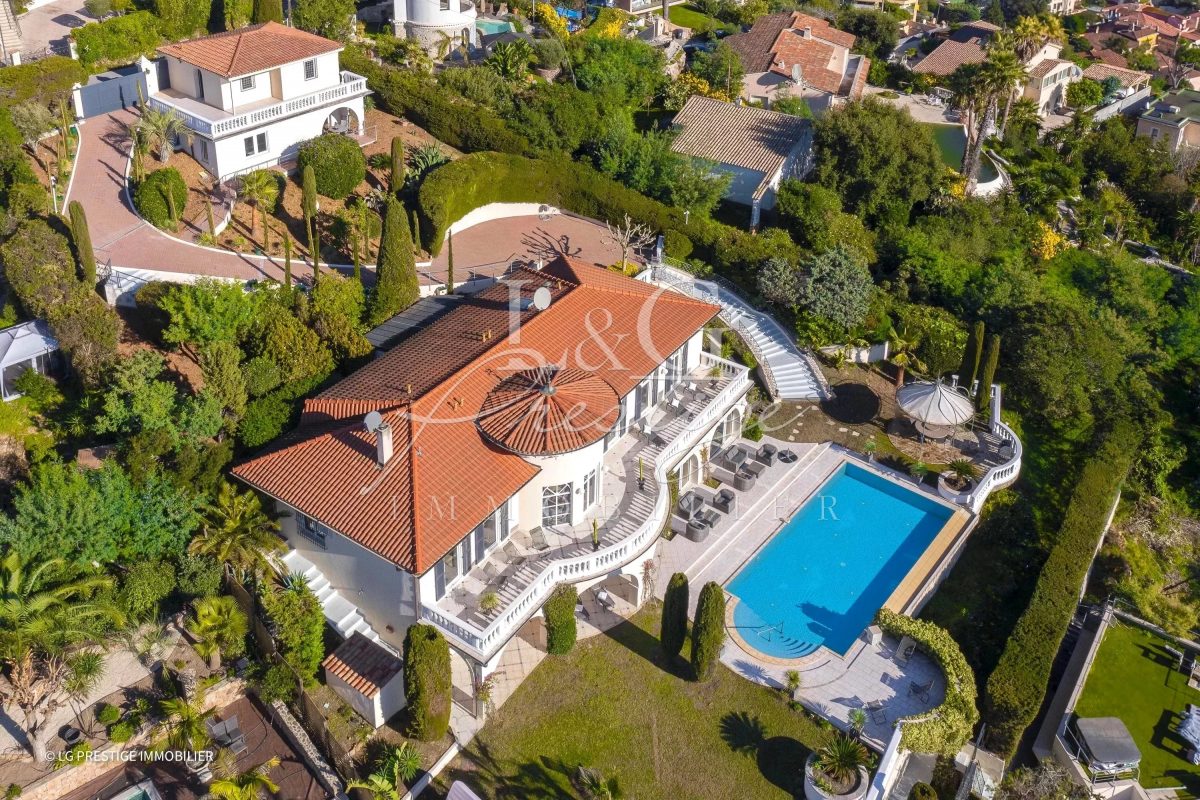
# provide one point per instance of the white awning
(934, 403)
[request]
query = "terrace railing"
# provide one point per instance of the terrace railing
(998, 476)
(484, 643)
(349, 86)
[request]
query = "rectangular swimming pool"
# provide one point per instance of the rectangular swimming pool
(821, 579)
(489, 27)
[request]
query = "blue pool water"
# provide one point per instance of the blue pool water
(821, 579)
(491, 26)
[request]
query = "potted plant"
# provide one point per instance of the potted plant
(595, 535)
(918, 469)
(858, 721)
(641, 474)
(869, 448)
(489, 602)
(960, 473)
(837, 770)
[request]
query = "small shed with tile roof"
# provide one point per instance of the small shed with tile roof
(368, 676)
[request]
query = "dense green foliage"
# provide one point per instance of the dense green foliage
(674, 615)
(427, 681)
(949, 726)
(1017, 685)
(922, 791)
(333, 19)
(337, 163)
(560, 620)
(119, 39)
(708, 631)
(299, 626)
(396, 284)
(152, 201)
(83, 243)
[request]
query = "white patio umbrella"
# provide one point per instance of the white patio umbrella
(935, 407)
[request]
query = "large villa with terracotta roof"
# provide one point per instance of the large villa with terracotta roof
(518, 441)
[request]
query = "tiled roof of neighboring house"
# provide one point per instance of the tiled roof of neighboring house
(949, 56)
(778, 42)
(364, 665)
(743, 136)
(1047, 65)
(252, 49)
(1126, 77)
(445, 477)
(547, 410)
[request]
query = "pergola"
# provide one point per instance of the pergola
(935, 408)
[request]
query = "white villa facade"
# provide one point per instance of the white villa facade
(430, 21)
(528, 449)
(249, 97)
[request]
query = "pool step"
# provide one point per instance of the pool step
(702, 565)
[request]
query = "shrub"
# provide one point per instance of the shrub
(83, 243)
(949, 726)
(922, 791)
(674, 615)
(277, 683)
(708, 630)
(122, 38)
(199, 576)
(396, 285)
(145, 585)
(677, 245)
(44, 80)
(300, 625)
(1018, 683)
(560, 620)
(262, 375)
(151, 195)
(337, 163)
(121, 732)
(108, 714)
(427, 681)
(264, 420)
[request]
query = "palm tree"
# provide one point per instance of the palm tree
(595, 786)
(1007, 72)
(511, 60)
(395, 770)
(841, 758)
(238, 533)
(85, 671)
(260, 190)
(904, 355)
(444, 44)
(962, 471)
(162, 128)
(918, 469)
(248, 785)
(139, 146)
(220, 625)
(184, 725)
(1031, 33)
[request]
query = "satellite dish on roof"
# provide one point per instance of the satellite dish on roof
(372, 421)
(541, 298)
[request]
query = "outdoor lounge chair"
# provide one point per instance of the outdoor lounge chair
(725, 501)
(513, 554)
(905, 650)
(755, 468)
(877, 712)
(697, 530)
(228, 734)
(734, 457)
(709, 518)
(766, 454)
(495, 579)
(537, 537)
(581, 610)
(921, 690)
(743, 480)
(689, 505)
(605, 600)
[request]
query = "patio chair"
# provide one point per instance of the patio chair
(495, 579)
(921, 690)
(905, 651)
(538, 537)
(725, 501)
(513, 554)
(710, 518)
(766, 454)
(581, 610)
(734, 457)
(755, 468)
(605, 600)
(877, 712)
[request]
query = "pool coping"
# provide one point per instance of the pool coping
(948, 542)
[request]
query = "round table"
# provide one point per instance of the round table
(934, 431)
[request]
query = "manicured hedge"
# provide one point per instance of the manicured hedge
(948, 727)
(560, 620)
(455, 121)
(1018, 684)
(45, 80)
(337, 162)
(427, 681)
(674, 615)
(122, 38)
(150, 197)
(922, 791)
(708, 631)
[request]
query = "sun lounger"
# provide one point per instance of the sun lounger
(877, 712)
(605, 600)
(495, 579)
(921, 690)
(538, 538)
(581, 611)
(905, 651)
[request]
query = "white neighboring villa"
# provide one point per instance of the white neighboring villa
(251, 96)
(429, 21)
(518, 442)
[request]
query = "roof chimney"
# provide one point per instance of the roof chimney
(383, 444)
(807, 32)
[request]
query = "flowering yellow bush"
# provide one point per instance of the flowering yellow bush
(1049, 242)
(545, 15)
(609, 23)
(687, 84)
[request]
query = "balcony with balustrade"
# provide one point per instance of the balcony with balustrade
(518, 577)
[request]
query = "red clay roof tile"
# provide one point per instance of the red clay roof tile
(246, 51)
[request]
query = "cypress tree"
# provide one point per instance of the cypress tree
(83, 243)
(427, 681)
(990, 361)
(287, 259)
(971, 355)
(416, 229)
(450, 264)
(396, 284)
(708, 631)
(674, 616)
(396, 178)
(308, 205)
(267, 11)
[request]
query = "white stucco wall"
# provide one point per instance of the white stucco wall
(566, 468)
(384, 594)
(425, 20)
(292, 82)
(378, 709)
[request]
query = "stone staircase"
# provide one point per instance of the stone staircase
(10, 32)
(343, 615)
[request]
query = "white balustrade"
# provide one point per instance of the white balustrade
(482, 643)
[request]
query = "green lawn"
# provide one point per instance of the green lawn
(1135, 679)
(691, 17)
(612, 705)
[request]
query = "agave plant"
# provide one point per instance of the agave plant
(962, 472)
(840, 759)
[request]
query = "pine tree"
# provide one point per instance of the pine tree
(972, 354)
(267, 11)
(83, 243)
(990, 361)
(450, 263)
(396, 285)
(396, 178)
(674, 616)
(708, 631)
